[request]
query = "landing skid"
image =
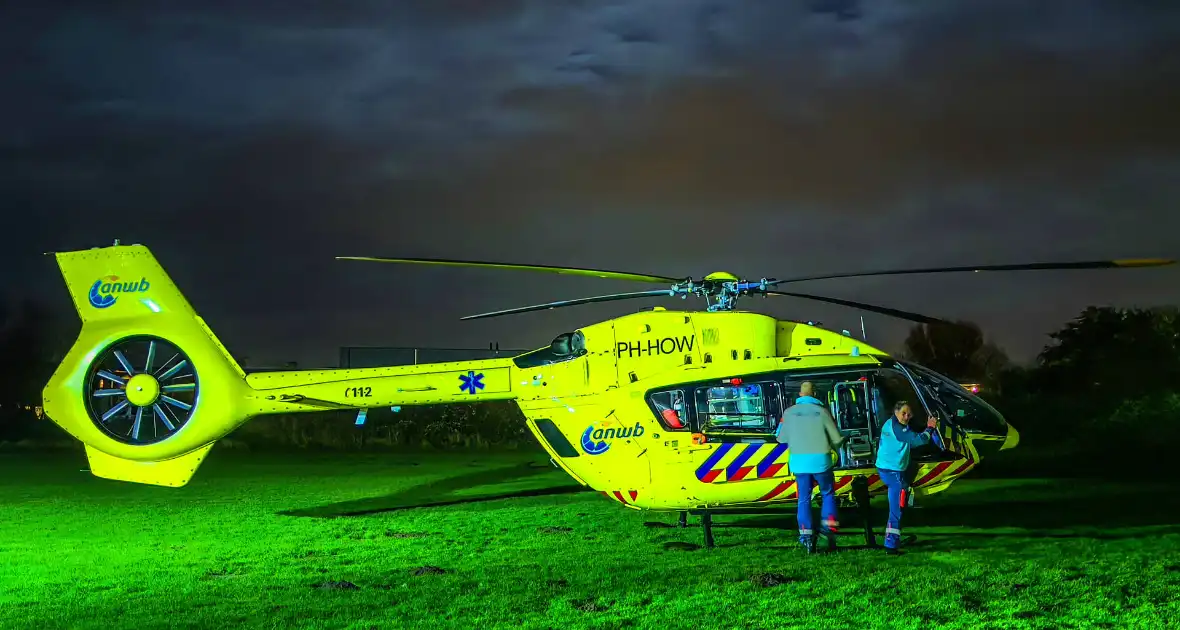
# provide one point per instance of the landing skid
(860, 492)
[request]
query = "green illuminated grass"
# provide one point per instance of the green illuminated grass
(248, 541)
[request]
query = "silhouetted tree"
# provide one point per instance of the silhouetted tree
(991, 364)
(1110, 353)
(28, 349)
(25, 346)
(956, 349)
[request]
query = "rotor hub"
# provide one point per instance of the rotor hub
(143, 390)
(720, 289)
(721, 276)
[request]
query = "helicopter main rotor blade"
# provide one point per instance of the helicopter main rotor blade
(1092, 264)
(573, 271)
(884, 310)
(574, 302)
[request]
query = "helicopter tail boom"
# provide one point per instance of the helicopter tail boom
(364, 388)
(148, 387)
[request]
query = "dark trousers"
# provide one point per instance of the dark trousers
(898, 485)
(805, 482)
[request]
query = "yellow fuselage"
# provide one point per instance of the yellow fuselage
(588, 398)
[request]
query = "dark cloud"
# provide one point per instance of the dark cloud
(958, 105)
(249, 142)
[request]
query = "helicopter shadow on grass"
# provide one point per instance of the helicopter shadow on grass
(441, 492)
(1095, 515)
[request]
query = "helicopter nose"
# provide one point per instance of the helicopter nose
(1011, 440)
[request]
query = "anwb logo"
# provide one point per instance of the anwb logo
(597, 441)
(105, 291)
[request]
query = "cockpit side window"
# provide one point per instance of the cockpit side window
(670, 409)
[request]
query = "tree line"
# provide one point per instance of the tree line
(1105, 389)
(1103, 393)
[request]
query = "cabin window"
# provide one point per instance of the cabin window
(745, 408)
(670, 410)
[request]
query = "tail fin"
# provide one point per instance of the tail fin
(147, 386)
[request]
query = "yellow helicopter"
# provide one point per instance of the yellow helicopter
(659, 409)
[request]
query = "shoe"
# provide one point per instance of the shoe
(808, 543)
(830, 530)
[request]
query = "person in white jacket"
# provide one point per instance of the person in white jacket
(811, 436)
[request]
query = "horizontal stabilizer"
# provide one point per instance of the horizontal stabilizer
(174, 472)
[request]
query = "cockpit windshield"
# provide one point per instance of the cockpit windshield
(969, 412)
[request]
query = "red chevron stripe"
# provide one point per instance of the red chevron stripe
(932, 474)
(633, 494)
(711, 475)
(771, 471)
(741, 472)
(619, 496)
(779, 489)
(967, 464)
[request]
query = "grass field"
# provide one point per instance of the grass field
(320, 541)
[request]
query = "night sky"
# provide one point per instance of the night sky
(248, 142)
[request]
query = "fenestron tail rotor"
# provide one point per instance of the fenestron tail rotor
(146, 386)
(141, 390)
(722, 289)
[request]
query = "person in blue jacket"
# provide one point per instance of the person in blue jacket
(893, 459)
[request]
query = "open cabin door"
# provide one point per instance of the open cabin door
(949, 434)
(852, 409)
